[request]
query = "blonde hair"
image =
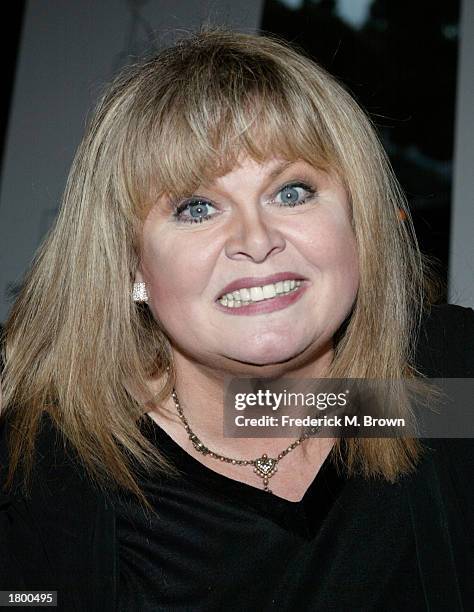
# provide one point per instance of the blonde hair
(75, 339)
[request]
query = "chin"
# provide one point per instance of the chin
(267, 357)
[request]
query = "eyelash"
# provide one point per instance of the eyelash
(180, 208)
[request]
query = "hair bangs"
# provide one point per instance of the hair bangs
(201, 133)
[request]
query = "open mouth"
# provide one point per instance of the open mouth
(253, 295)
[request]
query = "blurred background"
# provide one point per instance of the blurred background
(408, 63)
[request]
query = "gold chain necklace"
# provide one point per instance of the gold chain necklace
(263, 466)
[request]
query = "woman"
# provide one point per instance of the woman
(230, 212)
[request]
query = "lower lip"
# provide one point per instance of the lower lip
(264, 306)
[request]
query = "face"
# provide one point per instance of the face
(280, 225)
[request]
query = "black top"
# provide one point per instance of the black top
(219, 544)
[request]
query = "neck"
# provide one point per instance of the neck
(200, 389)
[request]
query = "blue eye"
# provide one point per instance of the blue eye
(294, 194)
(198, 211)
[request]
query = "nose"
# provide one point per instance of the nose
(252, 236)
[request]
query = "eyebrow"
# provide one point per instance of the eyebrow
(279, 169)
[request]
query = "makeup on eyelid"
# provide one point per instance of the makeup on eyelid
(311, 192)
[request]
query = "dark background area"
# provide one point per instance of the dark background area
(10, 46)
(400, 63)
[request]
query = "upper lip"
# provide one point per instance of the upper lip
(258, 281)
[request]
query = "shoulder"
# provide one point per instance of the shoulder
(456, 457)
(57, 480)
(445, 346)
(440, 491)
(449, 317)
(440, 486)
(51, 533)
(441, 505)
(57, 473)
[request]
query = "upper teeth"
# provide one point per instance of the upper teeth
(256, 294)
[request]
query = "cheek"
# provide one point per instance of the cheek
(343, 260)
(333, 255)
(174, 273)
(345, 255)
(345, 264)
(331, 245)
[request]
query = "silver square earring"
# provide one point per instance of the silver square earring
(139, 293)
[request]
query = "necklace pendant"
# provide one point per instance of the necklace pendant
(265, 467)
